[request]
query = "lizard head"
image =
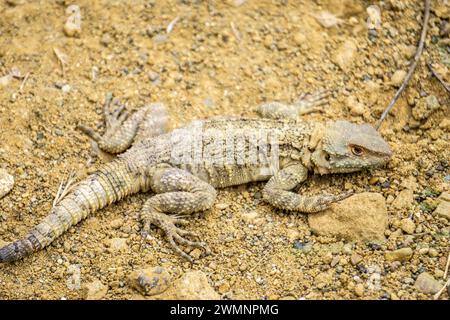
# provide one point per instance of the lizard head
(349, 147)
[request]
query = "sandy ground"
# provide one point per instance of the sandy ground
(221, 58)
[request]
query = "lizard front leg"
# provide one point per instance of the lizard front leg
(123, 129)
(277, 191)
(305, 104)
(180, 193)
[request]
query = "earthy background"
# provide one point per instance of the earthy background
(225, 58)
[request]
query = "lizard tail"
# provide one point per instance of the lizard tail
(110, 183)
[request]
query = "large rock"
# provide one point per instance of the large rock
(427, 284)
(94, 290)
(150, 281)
(362, 217)
(193, 285)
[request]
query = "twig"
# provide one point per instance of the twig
(446, 86)
(62, 60)
(413, 65)
(447, 265)
(172, 24)
(23, 81)
(436, 296)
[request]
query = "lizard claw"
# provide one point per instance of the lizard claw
(174, 234)
(312, 102)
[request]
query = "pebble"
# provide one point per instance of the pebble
(118, 244)
(94, 290)
(6, 183)
(404, 199)
(442, 210)
(397, 78)
(355, 259)
(403, 254)
(116, 223)
(194, 285)
(407, 225)
(150, 281)
(222, 206)
(72, 27)
(5, 80)
(425, 107)
(345, 54)
(356, 107)
(359, 289)
(433, 252)
(426, 283)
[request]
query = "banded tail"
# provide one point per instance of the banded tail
(110, 183)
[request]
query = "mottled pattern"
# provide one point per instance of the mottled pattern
(181, 188)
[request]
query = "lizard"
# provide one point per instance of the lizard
(278, 148)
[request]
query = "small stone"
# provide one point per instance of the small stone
(359, 289)
(345, 54)
(355, 259)
(106, 39)
(94, 290)
(193, 285)
(426, 283)
(356, 107)
(116, 223)
(433, 252)
(397, 78)
(304, 246)
(344, 219)
(6, 183)
(407, 225)
(72, 27)
(423, 250)
(404, 199)
(5, 80)
(150, 281)
(403, 254)
(442, 210)
(118, 244)
(425, 107)
(222, 206)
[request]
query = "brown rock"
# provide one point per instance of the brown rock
(403, 254)
(443, 210)
(404, 199)
(427, 284)
(94, 290)
(407, 225)
(150, 281)
(362, 217)
(345, 55)
(194, 285)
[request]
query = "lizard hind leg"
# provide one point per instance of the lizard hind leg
(179, 193)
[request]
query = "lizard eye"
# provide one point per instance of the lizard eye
(327, 157)
(357, 151)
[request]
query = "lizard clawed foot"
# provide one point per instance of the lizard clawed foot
(322, 202)
(174, 234)
(312, 102)
(113, 119)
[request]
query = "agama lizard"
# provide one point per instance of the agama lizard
(183, 172)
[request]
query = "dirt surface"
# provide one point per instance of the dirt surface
(223, 58)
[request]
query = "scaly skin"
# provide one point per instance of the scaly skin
(157, 161)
